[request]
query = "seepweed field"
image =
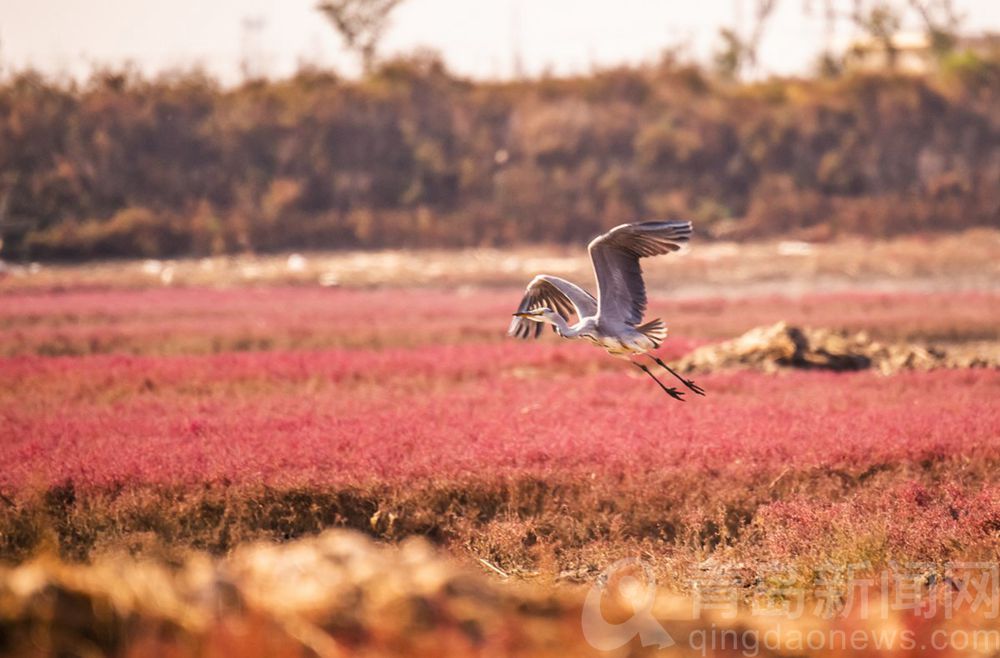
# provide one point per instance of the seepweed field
(152, 419)
(203, 417)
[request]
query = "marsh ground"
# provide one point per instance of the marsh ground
(155, 407)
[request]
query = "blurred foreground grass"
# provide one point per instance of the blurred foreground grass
(340, 594)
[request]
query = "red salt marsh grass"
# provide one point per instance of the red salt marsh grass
(207, 417)
(455, 398)
(203, 320)
(546, 462)
(353, 418)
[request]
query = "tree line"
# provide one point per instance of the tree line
(411, 155)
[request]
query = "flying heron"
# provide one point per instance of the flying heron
(612, 320)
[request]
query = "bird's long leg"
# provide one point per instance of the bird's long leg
(687, 382)
(672, 392)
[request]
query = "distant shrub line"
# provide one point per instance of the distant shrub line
(413, 156)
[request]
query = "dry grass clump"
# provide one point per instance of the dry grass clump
(783, 346)
(564, 528)
(337, 594)
(341, 594)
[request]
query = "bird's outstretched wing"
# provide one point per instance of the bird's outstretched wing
(620, 289)
(559, 295)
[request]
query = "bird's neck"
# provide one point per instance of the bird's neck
(565, 330)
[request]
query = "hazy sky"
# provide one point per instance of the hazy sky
(476, 37)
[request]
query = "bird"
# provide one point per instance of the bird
(613, 319)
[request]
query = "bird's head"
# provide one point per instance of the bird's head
(542, 314)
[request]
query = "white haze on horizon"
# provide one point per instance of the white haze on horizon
(480, 39)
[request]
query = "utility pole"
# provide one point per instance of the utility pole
(516, 58)
(252, 64)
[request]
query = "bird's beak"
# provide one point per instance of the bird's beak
(520, 315)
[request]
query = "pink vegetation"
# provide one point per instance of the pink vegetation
(199, 321)
(343, 417)
(304, 385)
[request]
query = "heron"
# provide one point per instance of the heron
(613, 319)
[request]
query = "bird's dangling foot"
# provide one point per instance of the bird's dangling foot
(694, 387)
(675, 394)
(672, 392)
(687, 382)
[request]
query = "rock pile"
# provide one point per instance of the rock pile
(780, 346)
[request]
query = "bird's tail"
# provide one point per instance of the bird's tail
(654, 330)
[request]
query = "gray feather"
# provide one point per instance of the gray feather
(552, 292)
(615, 255)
